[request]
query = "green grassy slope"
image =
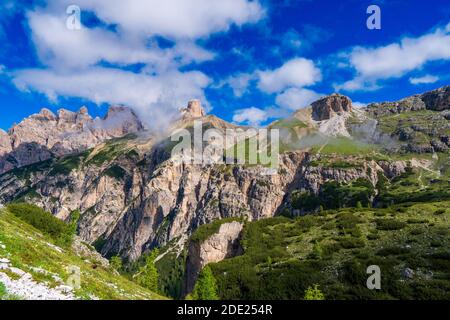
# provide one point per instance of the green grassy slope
(28, 249)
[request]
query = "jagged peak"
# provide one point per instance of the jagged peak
(47, 113)
(83, 110)
(194, 109)
(329, 106)
(115, 110)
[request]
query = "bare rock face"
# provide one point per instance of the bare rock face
(221, 245)
(177, 198)
(330, 106)
(438, 99)
(193, 110)
(5, 143)
(155, 201)
(413, 103)
(45, 135)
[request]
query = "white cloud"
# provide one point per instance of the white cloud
(295, 98)
(297, 72)
(396, 59)
(423, 80)
(173, 18)
(72, 59)
(238, 83)
(150, 96)
(62, 48)
(287, 81)
(251, 116)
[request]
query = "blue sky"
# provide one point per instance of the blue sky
(248, 61)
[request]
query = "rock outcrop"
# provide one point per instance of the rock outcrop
(436, 100)
(330, 106)
(221, 245)
(193, 110)
(45, 135)
(5, 143)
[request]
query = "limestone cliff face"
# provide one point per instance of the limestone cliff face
(131, 204)
(221, 245)
(45, 135)
(178, 198)
(330, 106)
(5, 143)
(438, 99)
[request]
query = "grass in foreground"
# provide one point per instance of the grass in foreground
(28, 248)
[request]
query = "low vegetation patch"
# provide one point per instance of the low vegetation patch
(390, 224)
(61, 232)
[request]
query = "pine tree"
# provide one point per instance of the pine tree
(148, 274)
(206, 286)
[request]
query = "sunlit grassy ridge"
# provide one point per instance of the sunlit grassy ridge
(27, 248)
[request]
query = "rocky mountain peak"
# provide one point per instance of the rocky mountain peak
(46, 114)
(83, 110)
(194, 109)
(332, 105)
(44, 135)
(438, 99)
(5, 142)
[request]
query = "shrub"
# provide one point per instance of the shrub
(2, 290)
(314, 293)
(116, 172)
(116, 262)
(66, 165)
(305, 200)
(415, 220)
(392, 251)
(417, 231)
(351, 242)
(61, 232)
(390, 224)
(317, 251)
(373, 236)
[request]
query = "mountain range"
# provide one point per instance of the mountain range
(133, 197)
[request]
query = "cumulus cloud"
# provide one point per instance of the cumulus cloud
(238, 83)
(104, 85)
(173, 18)
(297, 72)
(396, 59)
(119, 60)
(295, 98)
(287, 82)
(423, 80)
(251, 116)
